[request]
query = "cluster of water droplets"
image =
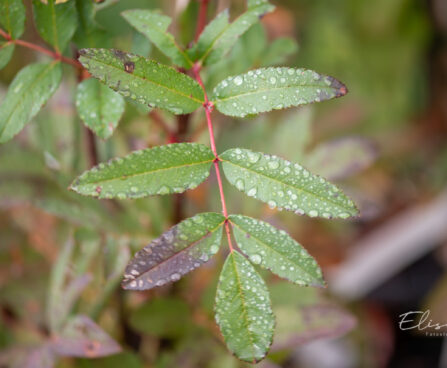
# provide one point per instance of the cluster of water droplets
(275, 250)
(147, 82)
(178, 251)
(284, 185)
(243, 309)
(161, 170)
(269, 89)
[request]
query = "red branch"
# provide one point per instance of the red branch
(208, 109)
(201, 21)
(54, 55)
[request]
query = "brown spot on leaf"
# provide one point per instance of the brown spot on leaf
(98, 189)
(129, 67)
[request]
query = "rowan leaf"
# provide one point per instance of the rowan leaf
(29, 91)
(168, 169)
(99, 107)
(6, 51)
(177, 252)
(278, 51)
(154, 26)
(143, 80)
(243, 309)
(89, 33)
(219, 36)
(282, 184)
(275, 250)
(268, 89)
(12, 17)
(56, 23)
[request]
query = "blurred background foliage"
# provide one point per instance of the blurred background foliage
(384, 143)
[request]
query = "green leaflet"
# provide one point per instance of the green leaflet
(154, 26)
(268, 89)
(177, 252)
(168, 169)
(29, 91)
(220, 35)
(99, 107)
(276, 250)
(278, 51)
(143, 80)
(12, 17)
(89, 34)
(279, 183)
(56, 23)
(6, 51)
(243, 309)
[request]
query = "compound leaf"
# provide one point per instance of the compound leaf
(6, 51)
(168, 169)
(279, 183)
(56, 23)
(243, 309)
(220, 35)
(154, 26)
(178, 251)
(99, 107)
(268, 89)
(89, 33)
(275, 250)
(143, 80)
(12, 17)
(29, 91)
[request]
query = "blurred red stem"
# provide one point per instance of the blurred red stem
(201, 21)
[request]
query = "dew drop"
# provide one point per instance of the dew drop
(175, 277)
(313, 213)
(240, 184)
(252, 192)
(273, 165)
(238, 81)
(256, 258)
(272, 204)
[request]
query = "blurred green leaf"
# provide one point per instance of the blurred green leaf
(180, 250)
(6, 51)
(264, 90)
(279, 51)
(168, 318)
(56, 23)
(275, 250)
(220, 36)
(12, 17)
(99, 107)
(154, 26)
(279, 183)
(89, 33)
(126, 359)
(30, 89)
(166, 169)
(143, 80)
(341, 158)
(243, 309)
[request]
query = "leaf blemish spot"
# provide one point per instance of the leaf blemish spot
(129, 67)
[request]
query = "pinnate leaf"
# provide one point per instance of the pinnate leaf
(168, 169)
(279, 183)
(12, 17)
(154, 26)
(268, 89)
(29, 91)
(6, 51)
(143, 80)
(99, 107)
(243, 309)
(178, 251)
(56, 23)
(276, 250)
(89, 33)
(220, 36)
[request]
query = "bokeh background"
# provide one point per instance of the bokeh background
(384, 144)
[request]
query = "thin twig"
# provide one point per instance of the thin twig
(201, 21)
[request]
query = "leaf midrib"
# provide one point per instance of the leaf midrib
(272, 249)
(244, 307)
(264, 90)
(190, 97)
(288, 185)
(148, 172)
